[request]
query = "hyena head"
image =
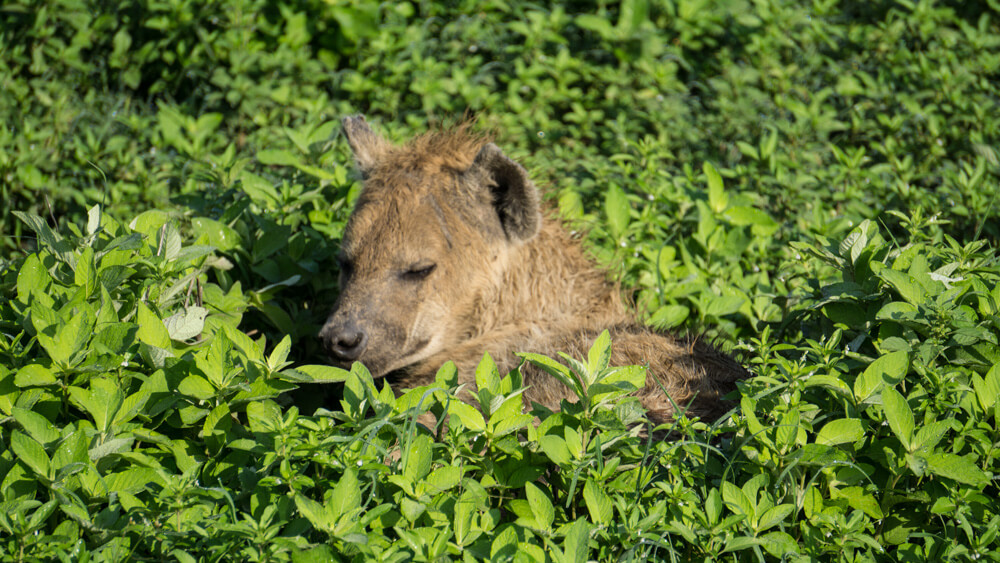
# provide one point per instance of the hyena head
(430, 234)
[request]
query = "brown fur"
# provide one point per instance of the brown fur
(447, 256)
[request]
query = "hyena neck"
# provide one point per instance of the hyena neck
(549, 286)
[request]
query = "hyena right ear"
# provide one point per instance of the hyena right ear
(367, 145)
(515, 198)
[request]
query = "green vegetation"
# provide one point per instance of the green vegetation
(815, 186)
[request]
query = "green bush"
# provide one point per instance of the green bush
(815, 186)
(132, 401)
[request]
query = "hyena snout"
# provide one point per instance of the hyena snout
(344, 342)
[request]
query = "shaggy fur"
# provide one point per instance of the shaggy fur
(447, 255)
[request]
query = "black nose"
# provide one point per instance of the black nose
(346, 343)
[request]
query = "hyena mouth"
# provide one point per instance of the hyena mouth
(413, 355)
(381, 367)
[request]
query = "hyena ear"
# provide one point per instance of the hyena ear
(367, 145)
(514, 196)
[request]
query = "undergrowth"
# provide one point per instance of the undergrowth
(814, 186)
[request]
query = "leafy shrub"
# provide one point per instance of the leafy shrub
(134, 402)
(817, 186)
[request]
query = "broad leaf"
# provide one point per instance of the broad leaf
(840, 431)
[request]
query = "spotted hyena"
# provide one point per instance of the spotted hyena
(448, 254)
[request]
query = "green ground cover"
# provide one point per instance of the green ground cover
(815, 186)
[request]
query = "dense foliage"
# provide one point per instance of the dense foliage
(814, 186)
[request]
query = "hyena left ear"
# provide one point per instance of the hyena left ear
(367, 145)
(515, 198)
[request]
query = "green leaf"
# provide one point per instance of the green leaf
(446, 376)
(598, 503)
(597, 24)
(557, 370)
(845, 313)
(196, 386)
(249, 346)
(149, 222)
(215, 362)
(906, 285)
(465, 508)
(417, 458)
(278, 157)
(555, 448)
(576, 544)
(132, 480)
(84, 274)
(359, 389)
(509, 424)
(740, 543)
(279, 355)
(669, 316)
(102, 401)
(619, 382)
(32, 278)
(93, 220)
(443, 479)
(617, 208)
(69, 340)
(774, 516)
(218, 414)
(115, 337)
(898, 311)
(112, 446)
(599, 355)
(857, 240)
(720, 306)
(761, 222)
(168, 242)
(929, 435)
(73, 449)
(987, 388)
(216, 234)
(320, 373)
(488, 376)
(51, 239)
(186, 323)
(31, 453)
(540, 505)
(632, 16)
(260, 190)
(861, 500)
(263, 417)
(958, 468)
(317, 515)
(189, 254)
(151, 329)
(36, 425)
(346, 495)
(899, 415)
(9, 392)
(737, 501)
(411, 510)
(34, 375)
(470, 417)
(713, 506)
(43, 318)
(840, 431)
(779, 544)
(888, 369)
(717, 198)
(40, 514)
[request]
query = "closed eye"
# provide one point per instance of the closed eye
(418, 271)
